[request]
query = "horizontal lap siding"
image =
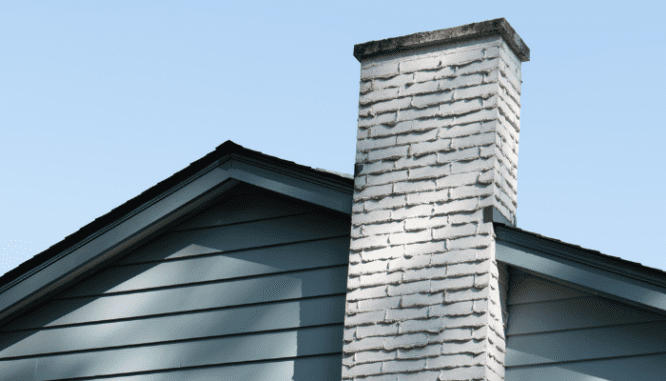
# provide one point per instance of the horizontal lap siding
(247, 295)
(557, 332)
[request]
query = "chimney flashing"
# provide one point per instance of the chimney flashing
(494, 27)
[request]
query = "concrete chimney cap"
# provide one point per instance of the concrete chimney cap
(442, 36)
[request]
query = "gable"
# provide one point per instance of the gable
(556, 331)
(252, 284)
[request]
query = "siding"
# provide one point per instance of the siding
(560, 333)
(252, 288)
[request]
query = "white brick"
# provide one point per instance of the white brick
(364, 318)
(385, 203)
(398, 81)
(439, 196)
(391, 129)
(386, 228)
(425, 148)
(427, 63)
(471, 191)
(406, 314)
(452, 309)
(414, 162)
(416, 262)
(469, 294)
(372, 242)
(365, 86)
(414, 113)
(478, 116)
(378, 304)
(450, 361)
(458, 179)
(385, 253)
(468, 242)
(364, 344)
(403, 366)
(464, 373)
(474, 140)
(375, 143)
(373, 192)
(385, 178)
(424, 101)
(460, 107)
(432, 172)
(420, 300)
(424, 248)
(418, 137)
(391, 105)
(456, 256)
(421, 352)
(454, 231)
(377, 330)
(368, 268)
(421, 88)
(379, 70)
(409, 288)
(420, 223)
(361, 370)
(377, 167)
(366, 293)
(388, 119)
(411, 212)
(348, 334)
(388, 153)
(452, 284)
(460, 131)
(406, 341)
(461, 269)
(380, 279)
(375, 356)
(410, 237)
(427, 325)
(424, 76)
(455, 206)
(461, 81)
(422, 274)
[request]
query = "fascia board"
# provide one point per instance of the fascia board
(583, 274)
(102, 246)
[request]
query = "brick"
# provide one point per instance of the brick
(365, 86)
(385, 253)
(376, 167)
(367, 293)
(411, 212)
(421, 352)
(450, 361)
(388, 153)
(380, 279)
(464, 373)
(368, 268)
(427, 100)
(414, 162)
(406, 341)
(413, 113)
(367, 343)
(469, 294)
(474, 140)
(378, 304)
(487, 177)
(460, 131)
(378, 229)
(432, 172)
(372, 242)
(425, 326)
(464, 154)
(422, 274)
(409, 288)
(388, 119)
(360, 182)
(413, 186)
(418, 137)
(379, 70)
(465, 321)
(468, 242)
(391, 105)
(391, 129)
(461, 81)
(437, 196)
(420, 223)
(410, 237)
(456, 256)
(421, 88)
(454, 231)
(416, 262)
(365, 112)
(373, 192)
(456, 180)
(391, 202)
(420, 300)
(424, 76)
(403, 366)
(468, 191)
(461, 269)
(397, 81)
(492, 76)
(375, 143)
(361, 370)
(428, 124)
(450, 284)
(354, 258)
(420, 376)
(424, 248)
(460, 107)
(452, 309)
(478, 116)
(473, 166)
(389, 177)
(427, 63)
(364, 318)
(453, 334)
(406, 314)
(456, 206)
(376, 330)
(375, 356)
(481, 91)
(425, 148)
(481, 66)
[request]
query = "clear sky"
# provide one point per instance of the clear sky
(100, 100)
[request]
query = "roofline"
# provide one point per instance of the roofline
(134, 221)
(590, 270)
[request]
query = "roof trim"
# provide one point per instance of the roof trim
(612, 277)
(101, 241)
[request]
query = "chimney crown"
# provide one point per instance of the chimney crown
(494, 27)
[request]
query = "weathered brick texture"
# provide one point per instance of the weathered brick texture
(437, 143)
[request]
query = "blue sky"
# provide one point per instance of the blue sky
(101, 100)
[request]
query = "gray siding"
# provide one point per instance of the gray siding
(560, 333)
(253, 288)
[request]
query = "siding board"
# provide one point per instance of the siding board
(252, 347)
(295, 256)
(241, 236)
(257, 318)
(580, 313)
(245, 291)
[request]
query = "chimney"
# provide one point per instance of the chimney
(436, 164)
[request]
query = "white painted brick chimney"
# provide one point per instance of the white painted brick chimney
(437, 154)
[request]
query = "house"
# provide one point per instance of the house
(244, 266)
